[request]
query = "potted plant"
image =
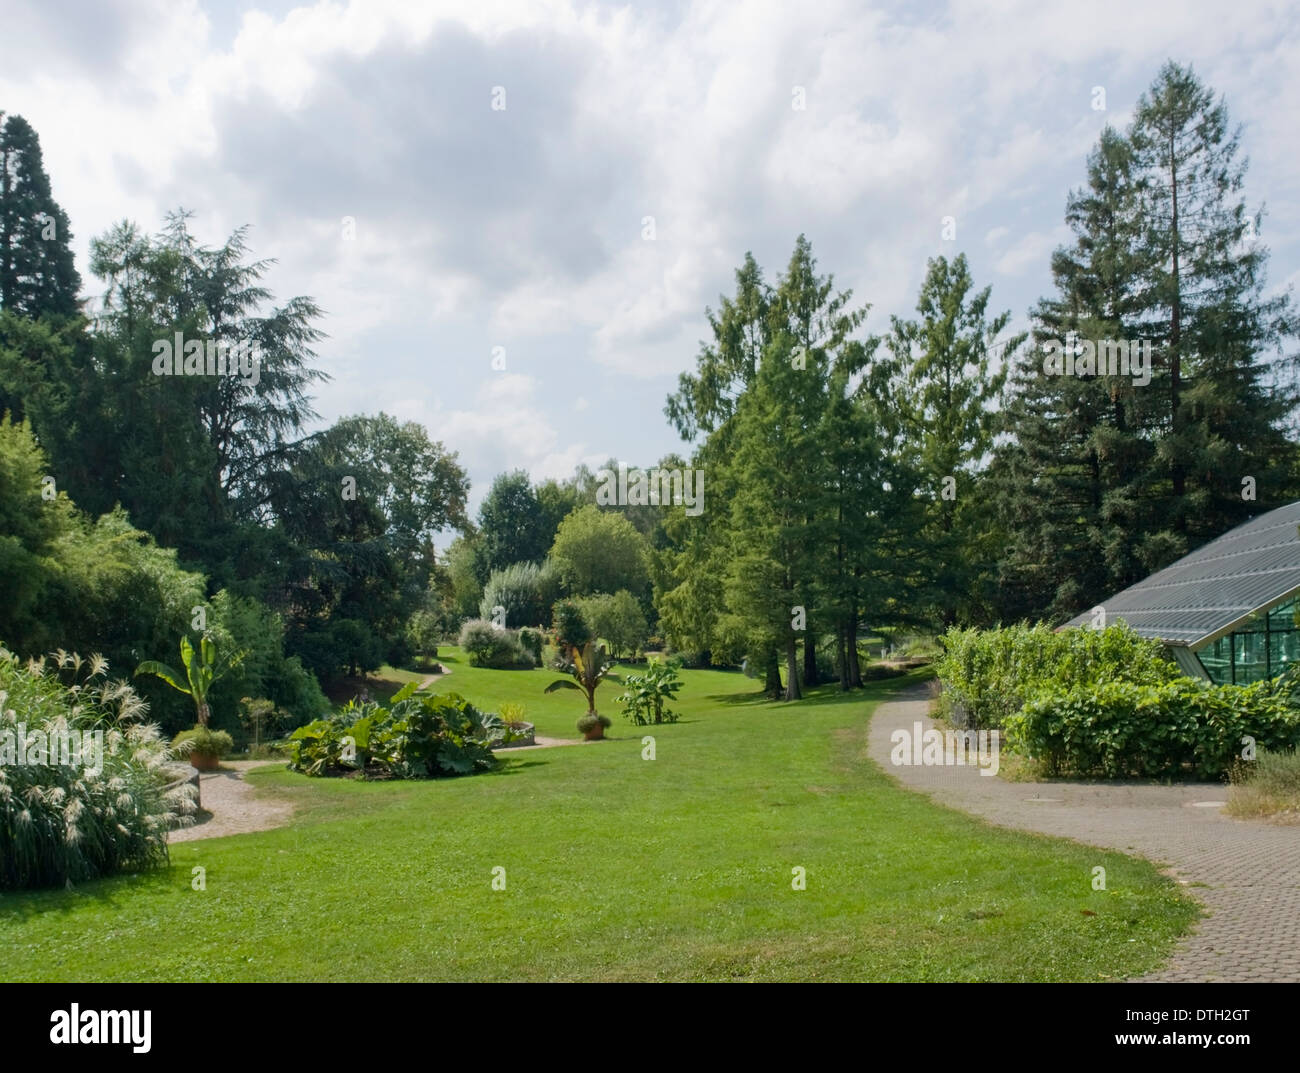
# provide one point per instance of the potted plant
(517, 730)
(593, 726)
(205, 747)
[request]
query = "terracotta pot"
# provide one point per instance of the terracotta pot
(596, 733)
(204, 761)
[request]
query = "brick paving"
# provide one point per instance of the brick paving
(1250, 869)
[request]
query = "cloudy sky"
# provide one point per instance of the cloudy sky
(523, 227)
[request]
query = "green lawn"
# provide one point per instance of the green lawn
(617, 867)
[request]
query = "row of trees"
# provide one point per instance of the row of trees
(940, 472)
(928, 473)
(326, 540)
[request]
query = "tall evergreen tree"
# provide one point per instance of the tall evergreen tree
(1109, 478)
(1072, 488)
(38, 274)
(1225, 390)
(946, 387)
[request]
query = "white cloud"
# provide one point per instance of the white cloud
(522, 229)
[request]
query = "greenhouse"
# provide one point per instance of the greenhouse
(1227, 611)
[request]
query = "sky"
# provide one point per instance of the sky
(515, 214)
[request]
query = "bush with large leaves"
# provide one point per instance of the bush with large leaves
(416, 736)
(646, 695)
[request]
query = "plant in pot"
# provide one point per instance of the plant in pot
(205, 747)
(593, 726)
(517, 729)
(586, 667)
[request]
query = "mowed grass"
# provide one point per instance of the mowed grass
(617, 868)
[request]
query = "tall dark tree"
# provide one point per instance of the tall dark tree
(361, 506)
(1110, 477)
(38, 274)
(946, 386)
(204, 453)
(1072, 488)
(511, 523)
(1225, 389)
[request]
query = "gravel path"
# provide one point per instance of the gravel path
(231, 807)
(1250, 870)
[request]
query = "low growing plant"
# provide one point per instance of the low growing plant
(591, 720)
(1267, 786)
(202, 740)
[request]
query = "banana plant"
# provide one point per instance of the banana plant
(202, 669)
(587, 667)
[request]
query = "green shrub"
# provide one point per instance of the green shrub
(525, 590)
(1117, 729)
(202, 740)
(415, 736)
(645, 696)
(487, 645)
(993, 673)
(65, 821)
(532, 640)
(616, 619)
(591, 720)
(570, 625)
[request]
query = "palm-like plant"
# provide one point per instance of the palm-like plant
(200, 672)
(587, 667)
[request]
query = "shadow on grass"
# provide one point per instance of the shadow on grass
(828, 693)
(111, 891)
(511, 766)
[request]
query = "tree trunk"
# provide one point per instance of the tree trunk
(1178, 475)
(204, 713)
(809, 658)
(772, 674)
(842, 655)
(855, 671)
(792, 669)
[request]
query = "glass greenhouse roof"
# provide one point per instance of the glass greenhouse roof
(1216, 588)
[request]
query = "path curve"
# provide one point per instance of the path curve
(1250, 869)
(231, 806)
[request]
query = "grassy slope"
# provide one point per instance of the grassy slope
(617, 868)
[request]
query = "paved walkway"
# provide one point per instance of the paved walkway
(1251, 869)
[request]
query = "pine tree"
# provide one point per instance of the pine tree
(1071, 488)
(946, 387)
(1110, 478)
(38, 274)
(1224, 390)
